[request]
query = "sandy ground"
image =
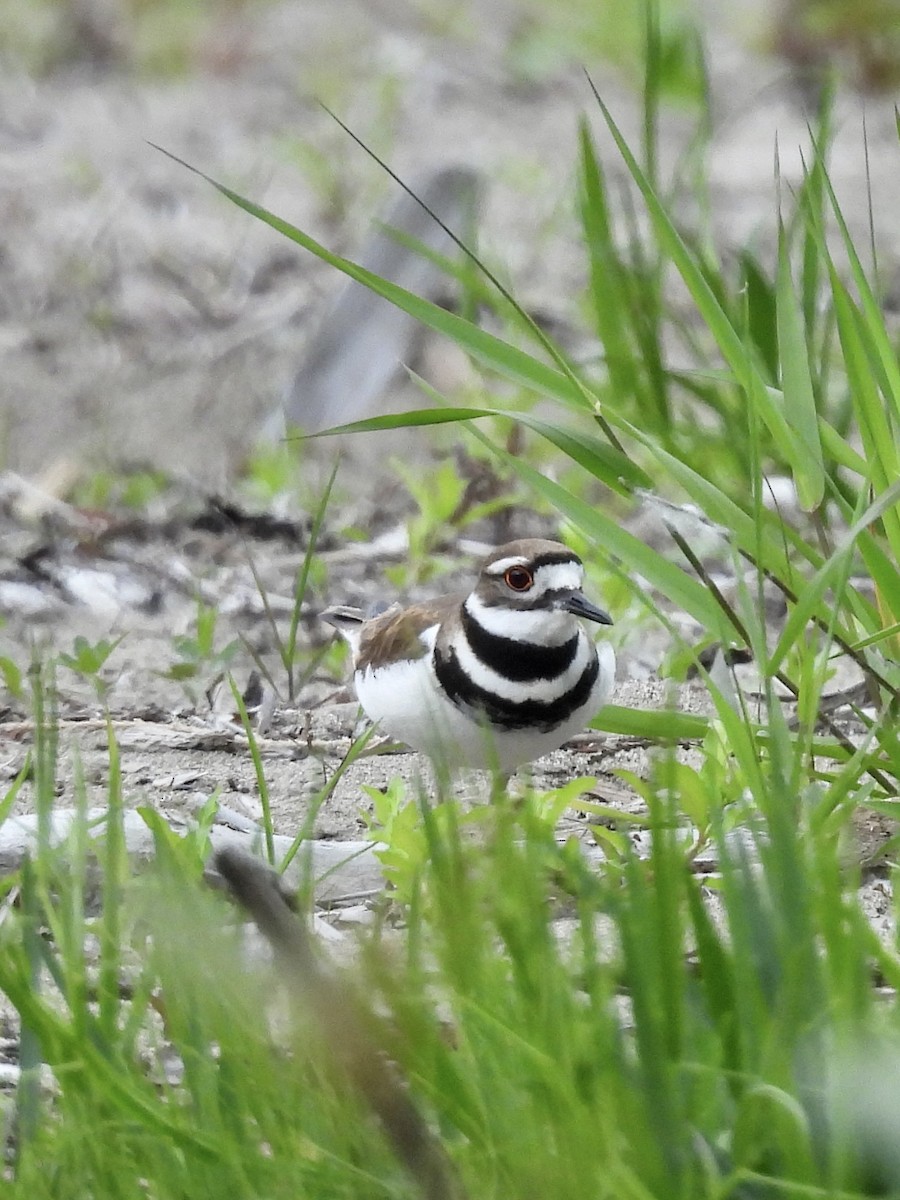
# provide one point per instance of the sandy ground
(145, 320)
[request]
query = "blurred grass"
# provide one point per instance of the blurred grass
(671, 1044)
(860, 39)
(148, 37)
(857, 39)
(552, 35)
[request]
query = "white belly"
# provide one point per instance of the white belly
(407, 704)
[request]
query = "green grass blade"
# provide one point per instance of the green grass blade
(885, 353)
(606, 281)
(878, 436)
(796, 382)
(115, 873)
(258, 769)
(663, 725)
(882, 567)
(289, 649)
(598, 458)
(733, 349)
(840, 450)
(814, 590)
(487, 349)
(605, 462)
(762, 321)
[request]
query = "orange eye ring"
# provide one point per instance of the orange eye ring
(518, 579)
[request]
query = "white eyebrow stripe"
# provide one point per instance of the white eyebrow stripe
(560, 575)
(503, 564)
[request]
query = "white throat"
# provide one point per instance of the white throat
(544, 626)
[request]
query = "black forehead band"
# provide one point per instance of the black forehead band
(556, 559)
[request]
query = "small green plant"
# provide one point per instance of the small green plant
(440, 495)
(310, 575)
(584, 32)
(823, 37)
(273, 471)
(120, 489)
(11, 676)
(88, 659)
(182, 856)
(395, 822)
(200, 659)
(437, 495)
(333, 661)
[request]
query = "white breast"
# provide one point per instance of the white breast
(406, 702)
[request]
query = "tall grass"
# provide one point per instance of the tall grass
(691, 1036)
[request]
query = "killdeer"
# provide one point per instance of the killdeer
(492, 679)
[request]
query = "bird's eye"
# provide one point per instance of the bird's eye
(520, 579)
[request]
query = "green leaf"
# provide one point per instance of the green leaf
(797, 386)
(875, 428)
(607, 285)
(840, 450)
(11, 674)
(772, 1132)
(761, 313)
(883, 569)
(662, 725)
(884, 350)
(882, 635)
(605, 462)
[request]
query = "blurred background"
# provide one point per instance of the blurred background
(146, 322)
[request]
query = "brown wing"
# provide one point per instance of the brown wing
(396, 634)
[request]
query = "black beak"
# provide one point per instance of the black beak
(580, 606)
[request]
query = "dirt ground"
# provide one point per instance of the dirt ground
(146, 322)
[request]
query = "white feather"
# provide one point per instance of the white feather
(542, 625)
